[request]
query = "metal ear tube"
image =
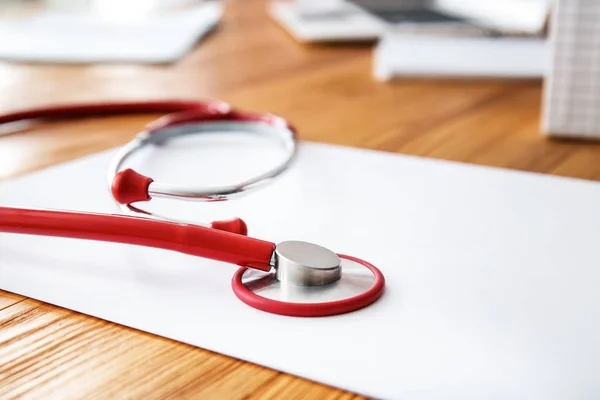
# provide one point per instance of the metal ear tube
(128, 186)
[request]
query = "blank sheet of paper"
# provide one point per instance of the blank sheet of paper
(492, 275)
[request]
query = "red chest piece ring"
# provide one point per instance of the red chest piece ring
(308, 280)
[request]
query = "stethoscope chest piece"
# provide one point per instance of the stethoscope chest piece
(308, 280)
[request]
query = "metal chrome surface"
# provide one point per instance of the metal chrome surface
(356, 279)
(306, 264)
(198, 193)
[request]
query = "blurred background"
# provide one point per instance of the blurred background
(467, 80)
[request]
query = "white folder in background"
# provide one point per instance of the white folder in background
(407, 54)
(525, 16)
(59, 37)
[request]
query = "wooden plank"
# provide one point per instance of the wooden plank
(49, 352)
(7, 299)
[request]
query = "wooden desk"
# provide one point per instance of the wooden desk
(329, 95)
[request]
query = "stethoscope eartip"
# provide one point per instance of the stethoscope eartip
(129, 187)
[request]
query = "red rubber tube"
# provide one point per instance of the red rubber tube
(113, 108)
(189, 239)
(179, 112)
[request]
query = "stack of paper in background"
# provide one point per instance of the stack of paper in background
(503, 38)
(572, 90)
(86, 31)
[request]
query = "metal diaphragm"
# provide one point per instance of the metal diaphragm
(355, 280)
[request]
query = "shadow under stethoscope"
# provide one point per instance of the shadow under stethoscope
(139, 272)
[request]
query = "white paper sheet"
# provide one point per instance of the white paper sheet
(60, 37)
(492, 275)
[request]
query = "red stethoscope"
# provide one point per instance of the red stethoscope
(292, 278)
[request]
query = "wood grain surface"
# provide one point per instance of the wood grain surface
(329, 94)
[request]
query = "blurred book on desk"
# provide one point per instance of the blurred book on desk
(485, 39)
(410, 55)
(503, 38)
(358, 20)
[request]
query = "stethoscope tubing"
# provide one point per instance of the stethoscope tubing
(72, 111)
(194, 240)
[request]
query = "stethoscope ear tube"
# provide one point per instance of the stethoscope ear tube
(128, 186)
(185, 117)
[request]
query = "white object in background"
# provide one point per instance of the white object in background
(407, 54)
(67, 5)
(75, 38)
(318, 6)
(525, 16)
(492, 275)
(572, 91)
(337, 21)
(340, 20)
